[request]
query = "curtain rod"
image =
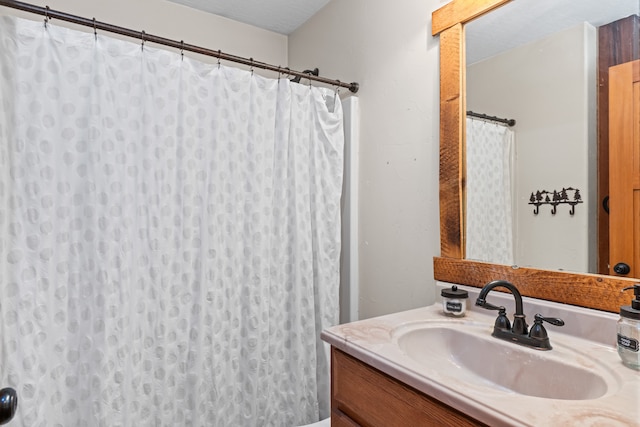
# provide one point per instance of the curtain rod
(508, 122)
(97, 25)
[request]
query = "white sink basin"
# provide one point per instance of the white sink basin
(580, 382)
(466, 352)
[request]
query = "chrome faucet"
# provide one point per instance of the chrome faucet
(518, 333)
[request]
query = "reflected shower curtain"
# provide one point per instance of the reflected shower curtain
(169, 246)
(489, 225)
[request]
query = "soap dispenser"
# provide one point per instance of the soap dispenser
(629, 330)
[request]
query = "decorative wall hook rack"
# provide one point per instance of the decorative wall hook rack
(555, 198)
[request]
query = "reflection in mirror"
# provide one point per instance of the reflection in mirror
(489, 209)
(536, 61)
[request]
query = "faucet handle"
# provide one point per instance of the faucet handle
(539, 318)
(539, 332)
(502, 322)
(484, 304)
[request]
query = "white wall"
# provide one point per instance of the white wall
(548, 87)
(387, 47)
(172, 21)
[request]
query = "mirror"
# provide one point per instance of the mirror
(536, 61)
(587, 290)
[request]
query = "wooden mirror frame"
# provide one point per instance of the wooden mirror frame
(586, 290)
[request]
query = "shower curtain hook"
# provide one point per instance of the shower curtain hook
(46, 16)
(142, 37)
(219, 55)
(251, 60)
(95, 31)
(182, 49)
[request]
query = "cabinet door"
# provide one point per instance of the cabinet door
(364, 396)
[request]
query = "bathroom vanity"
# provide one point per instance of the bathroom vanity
(422, 368)
(357, 390)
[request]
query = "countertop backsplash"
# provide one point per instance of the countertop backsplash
(596, 325)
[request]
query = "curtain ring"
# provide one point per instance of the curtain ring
(143, 34)
(46, 16)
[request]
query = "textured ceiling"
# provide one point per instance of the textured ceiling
(517, 23)
(523, 21)
(281, 16)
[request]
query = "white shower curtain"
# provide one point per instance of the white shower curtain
(489, 225)
(169, 246)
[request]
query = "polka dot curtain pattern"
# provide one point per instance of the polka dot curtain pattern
(169, 236)
(489, 188)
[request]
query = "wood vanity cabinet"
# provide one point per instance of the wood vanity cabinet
(363, 396)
